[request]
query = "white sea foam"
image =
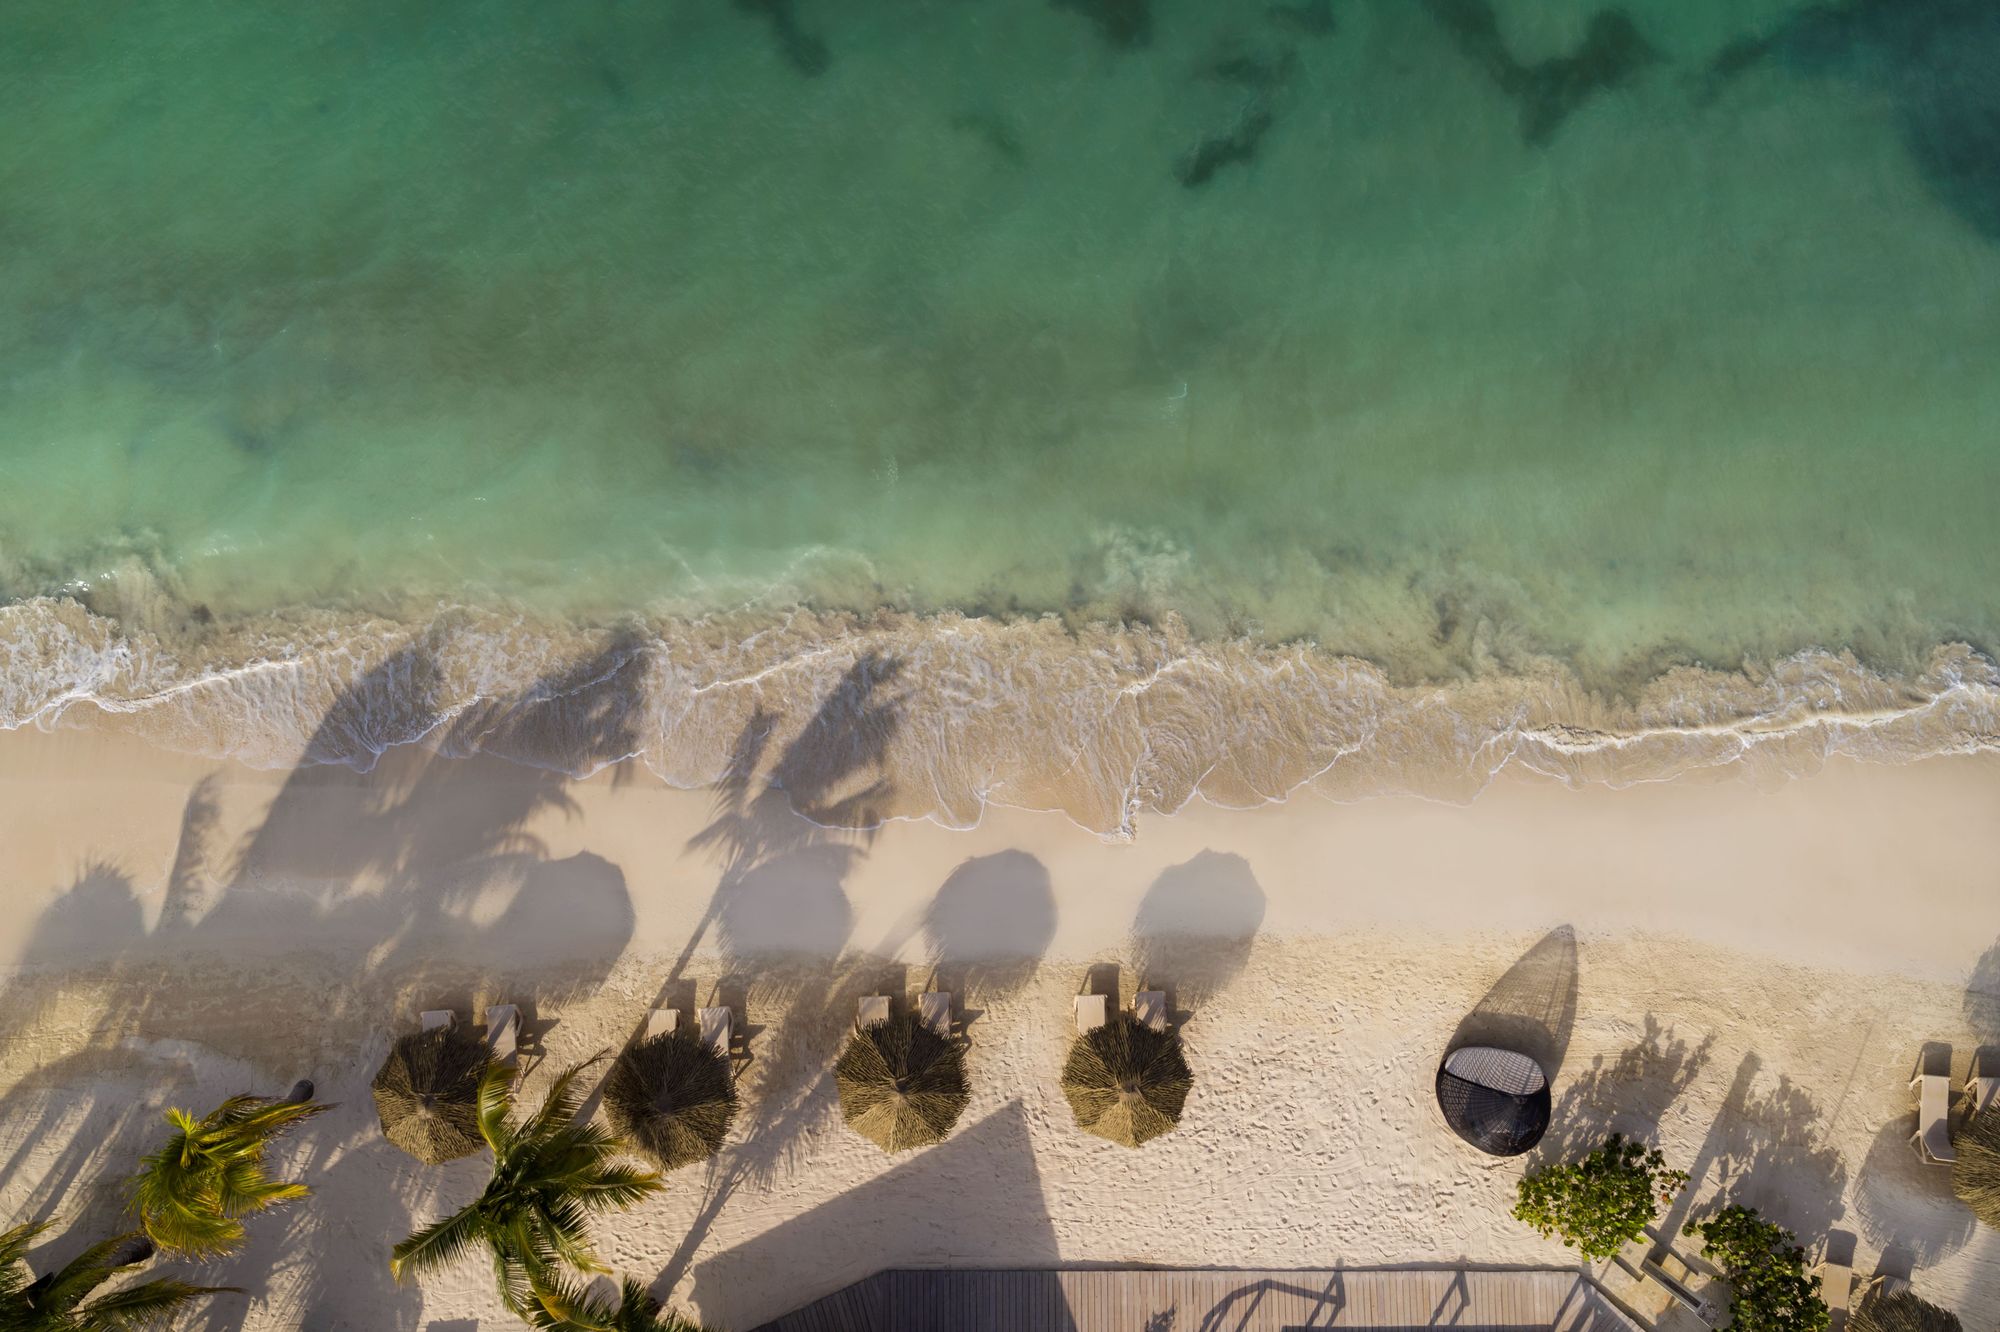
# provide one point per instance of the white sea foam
(910, 716)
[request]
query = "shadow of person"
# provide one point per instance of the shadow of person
(1628, 1094)
(1532, 1008)
(1194, 928)
(991, 921)
(1901, 1201)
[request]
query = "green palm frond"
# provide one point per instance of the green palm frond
(564, 1099)
(496, 1102)
(14, 1245)
(70, 1285)
(562, 1305)
(439, 1244)
(150, 1304)
(550, 1174)
(191, 1193)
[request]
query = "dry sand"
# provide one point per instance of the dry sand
(1755, 973)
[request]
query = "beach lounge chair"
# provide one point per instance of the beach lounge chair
(1681, 1292)
(503, 1030)
(717, 1029)
(433, 1018)
(1149, 1008)
(873, 1011)
(934, 1011)
(1933, 1136)
(1089, 1012)
(1836, 1286)
(662, 1022)
(1982, 1089)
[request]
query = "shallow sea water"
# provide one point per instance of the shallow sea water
(1523, 347)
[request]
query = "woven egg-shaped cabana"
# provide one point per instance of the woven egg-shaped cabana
(1497, 1100)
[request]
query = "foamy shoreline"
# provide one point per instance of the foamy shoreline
(1757, 971)
(898, 716)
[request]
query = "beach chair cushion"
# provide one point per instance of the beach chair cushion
(934, 1011)
(873, 1011)
(1933, 1135)
(662, 1022)
(1149, 1008)
(716, 1028)
(1089, 1012)
(1836, 1285)
(433, 1018)
(503, 1027)
(1981, 1093)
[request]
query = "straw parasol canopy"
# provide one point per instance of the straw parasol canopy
(671, 1098)
(1902, 1311)
(427, 1094)
(901, 1084)
(1975, 1175)
(1127, 1082)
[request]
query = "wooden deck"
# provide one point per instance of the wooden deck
(1189, 1300)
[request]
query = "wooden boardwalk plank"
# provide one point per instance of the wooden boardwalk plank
(1091, 1300)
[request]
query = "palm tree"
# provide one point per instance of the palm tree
(61, 1301)
(549, 1174)
(193, 1192)
(562, 1305)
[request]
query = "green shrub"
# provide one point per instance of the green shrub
(1770, 1291)
(1603, 1202)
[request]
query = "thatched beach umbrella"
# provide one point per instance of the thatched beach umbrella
(1127, 1082)
(901, 1084)
(427, 1094)
(671, 1098)
(1900, 1312)
(1975, 1175)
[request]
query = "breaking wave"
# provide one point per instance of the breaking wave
(907, 716)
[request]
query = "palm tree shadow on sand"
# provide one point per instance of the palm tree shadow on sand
(409, 867)
(1532, 1008)
(787, 832)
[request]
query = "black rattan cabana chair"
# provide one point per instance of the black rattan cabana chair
(1497, 1100)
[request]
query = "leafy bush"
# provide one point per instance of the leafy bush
(1770, 1291)
(1603, 1202)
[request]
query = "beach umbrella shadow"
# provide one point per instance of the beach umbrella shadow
(1532, 1008)
(991, 922)
(1901, 1201)
(1195, 926)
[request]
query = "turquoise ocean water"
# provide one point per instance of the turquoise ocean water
(1579, 375)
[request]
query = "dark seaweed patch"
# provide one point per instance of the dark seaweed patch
(1257, 73)
(1313, 18)
(1613, 51)
(1212, 154)
(1935, 59)
(802, 50)
(1125, 25)
(993, 131)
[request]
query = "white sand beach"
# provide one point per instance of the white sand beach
(1755, 973)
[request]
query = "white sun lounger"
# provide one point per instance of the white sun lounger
(1933, 1136)
(934, 1011)
(1836, 1286)
(1982, 1089)
(433, 1018)
(1089, 1012)
(503, 1030)
(717, 1028)
(873, 1011)
(1149, 1008)
(662, 1022)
